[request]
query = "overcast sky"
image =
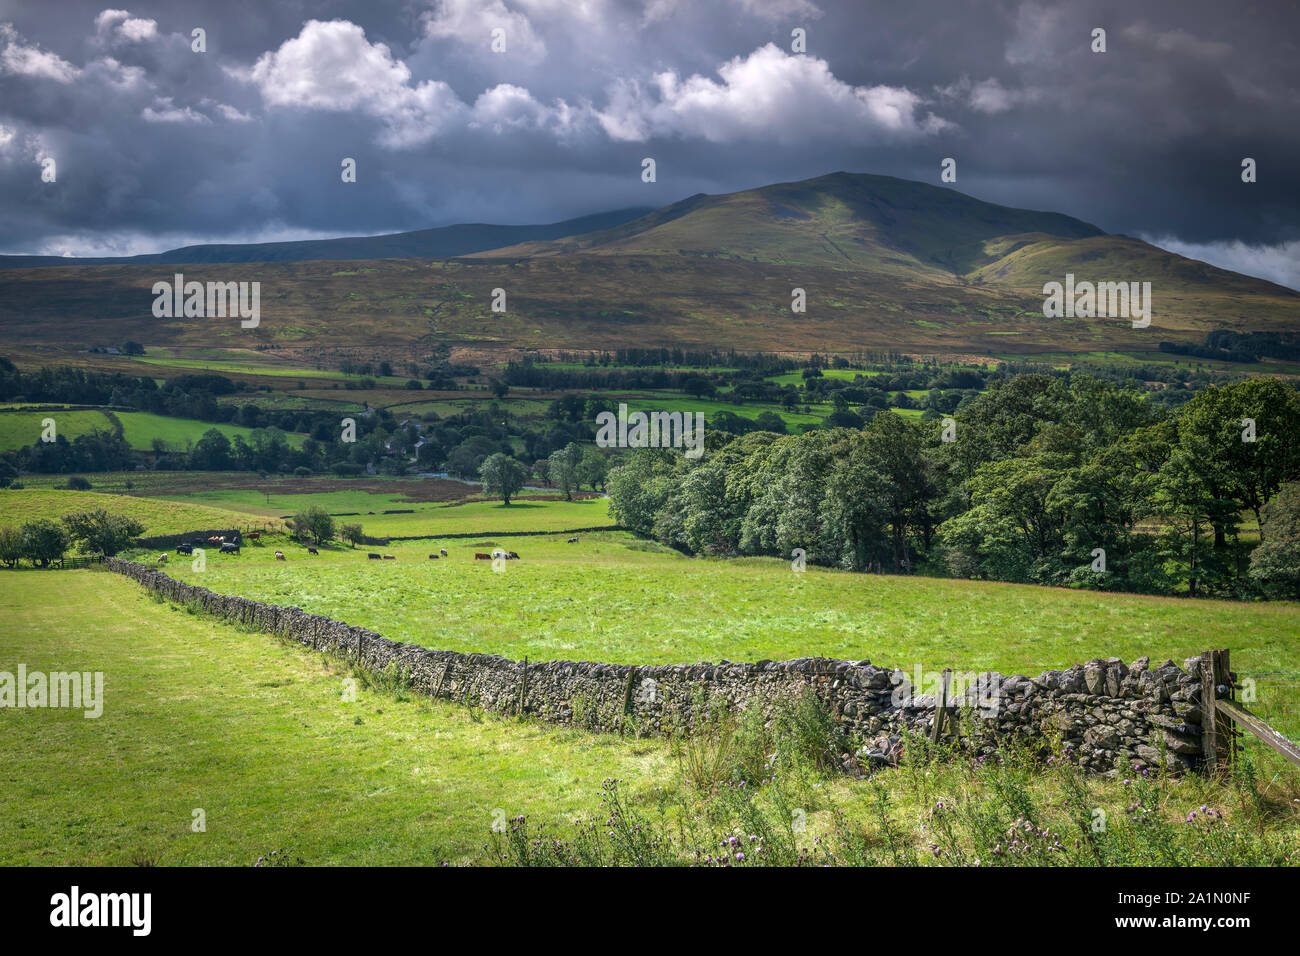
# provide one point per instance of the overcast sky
(156, 145)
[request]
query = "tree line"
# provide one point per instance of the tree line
(1073, 481)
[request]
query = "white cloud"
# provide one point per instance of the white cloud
(168, 112)
(768, 95)
(232, 114)
(1278, 263)
(121, 24)
(332, 66)
(987, 96)
(471, 22)
(32, 61)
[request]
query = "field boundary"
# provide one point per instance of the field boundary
(1102, 715)
(504, 534)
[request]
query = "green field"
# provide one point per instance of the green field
(139, 429)
(19, 428)
(198, 714)
(613, 598)
(18, 506)
(429, 518)
(257, 735)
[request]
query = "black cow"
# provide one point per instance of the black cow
(573, 541)
(312, 551)
(375, 557)
(230, 548)
(433, 557)
(184, 549)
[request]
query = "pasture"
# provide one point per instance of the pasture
(139, 429)
(611, 597)
(18, 506)
(261, 738)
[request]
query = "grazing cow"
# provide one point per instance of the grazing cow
(512, 556)
(480, 556)
(312, 551)
(433, 557)
(279, 555)
(573, 541)
(230, 548)
(374, 557)
(253, 535)
(184, 549)
(443, 552)
(389, 557)
(162, 558)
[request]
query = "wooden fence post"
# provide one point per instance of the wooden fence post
(940, 707)
(1216, 726)
(523, 689)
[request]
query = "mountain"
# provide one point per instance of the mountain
(442, 243)
(884, 263)
(842, 220)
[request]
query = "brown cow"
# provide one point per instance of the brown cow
(480, 556)
(389, 557)
(253, 535)
(279, 555)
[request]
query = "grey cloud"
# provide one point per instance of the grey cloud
(245, 141)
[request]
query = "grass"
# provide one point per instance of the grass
(198, 714)
(257, 734)
(159, 517)
(613, 598)
(428, 518)
(19, 428)
(139, 429)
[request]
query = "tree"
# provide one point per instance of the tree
(44, 541)
(351, 533)
(11, 545)
(593, 469)
(212, 452)
(563, 468)
(314, 521)
(1275, 565)
(101, 532)
(503, 475)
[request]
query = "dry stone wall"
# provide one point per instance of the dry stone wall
(1104, 713)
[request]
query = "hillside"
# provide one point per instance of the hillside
(886, 263)
(439, 243)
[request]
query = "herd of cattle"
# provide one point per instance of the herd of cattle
(232, 547)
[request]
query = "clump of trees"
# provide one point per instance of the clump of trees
(313, 522)
(45, 541)
(1067, 481)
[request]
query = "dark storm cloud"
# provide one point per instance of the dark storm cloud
(156, 145)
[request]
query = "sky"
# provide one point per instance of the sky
(156, 144)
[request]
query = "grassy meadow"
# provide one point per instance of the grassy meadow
(139, 429)
(18, 506)
(257, 734)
